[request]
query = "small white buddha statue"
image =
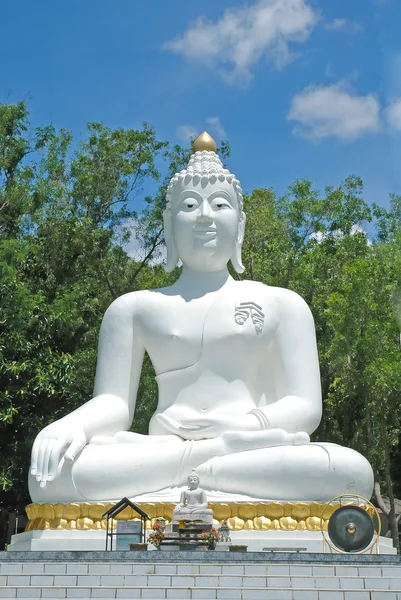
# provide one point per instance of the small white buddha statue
(237, 370)
(193, 503)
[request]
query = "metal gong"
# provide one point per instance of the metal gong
(351, 528)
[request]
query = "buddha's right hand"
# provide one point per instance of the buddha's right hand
(55, 441)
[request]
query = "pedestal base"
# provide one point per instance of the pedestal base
(257, 541)
(50, 540)
(205, 516)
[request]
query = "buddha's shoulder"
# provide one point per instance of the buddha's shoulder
(132, 302)
(271, 294)
(268, 290)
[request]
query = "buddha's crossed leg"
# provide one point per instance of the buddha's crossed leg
(271, 465)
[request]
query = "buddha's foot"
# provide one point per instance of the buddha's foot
(235, 441)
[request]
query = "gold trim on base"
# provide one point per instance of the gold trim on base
(284, 516)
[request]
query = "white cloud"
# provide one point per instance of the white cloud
(216, 127)
(338, 235)
(336, 24)
(334, 111)
(329, 71)
(185, 133)
(343, 25)
(359, 229)
(393, 115)
(318, 236)
(242, 36)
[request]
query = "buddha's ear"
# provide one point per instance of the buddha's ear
(172, 255)
(236, 259)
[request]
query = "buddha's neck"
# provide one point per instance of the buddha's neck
(203, 282)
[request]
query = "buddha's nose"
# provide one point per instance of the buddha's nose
(205, 211)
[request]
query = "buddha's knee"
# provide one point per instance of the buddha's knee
(349, 473)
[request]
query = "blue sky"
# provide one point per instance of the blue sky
(300, 88)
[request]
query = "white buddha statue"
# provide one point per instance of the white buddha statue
(237, 370)
(193, 505)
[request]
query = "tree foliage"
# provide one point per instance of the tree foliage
(317, 245)
(61, 265)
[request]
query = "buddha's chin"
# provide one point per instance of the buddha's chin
(208, 261)
(210, 252)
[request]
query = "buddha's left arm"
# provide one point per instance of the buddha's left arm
(297, 377)
(204, 501)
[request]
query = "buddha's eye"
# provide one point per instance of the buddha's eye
(220, 203)
(189, 203)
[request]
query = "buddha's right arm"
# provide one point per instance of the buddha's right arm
(118, 369)
(119, 364)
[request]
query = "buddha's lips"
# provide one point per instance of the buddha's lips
(209, 231)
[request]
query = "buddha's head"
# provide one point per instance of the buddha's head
(193, 482)
(203, 220)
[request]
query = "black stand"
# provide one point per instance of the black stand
(114, 511)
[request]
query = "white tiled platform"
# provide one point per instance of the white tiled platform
(50, 540)
(274, 577)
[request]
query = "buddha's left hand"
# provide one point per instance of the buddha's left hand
(209, 427)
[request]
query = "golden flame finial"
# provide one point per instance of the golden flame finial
(204, 142)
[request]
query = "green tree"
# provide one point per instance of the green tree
(316, 245)
(62, 212)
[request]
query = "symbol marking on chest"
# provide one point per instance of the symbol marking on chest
(244, 310)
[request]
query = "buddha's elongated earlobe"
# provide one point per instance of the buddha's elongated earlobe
(172, 254)
(236, 259)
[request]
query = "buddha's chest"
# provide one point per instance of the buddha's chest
(193, 497)
(176, 334)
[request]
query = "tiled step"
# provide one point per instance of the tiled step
(201, 581)
(196, 569)
(154, 593)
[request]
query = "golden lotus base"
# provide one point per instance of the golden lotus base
(285, 516)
